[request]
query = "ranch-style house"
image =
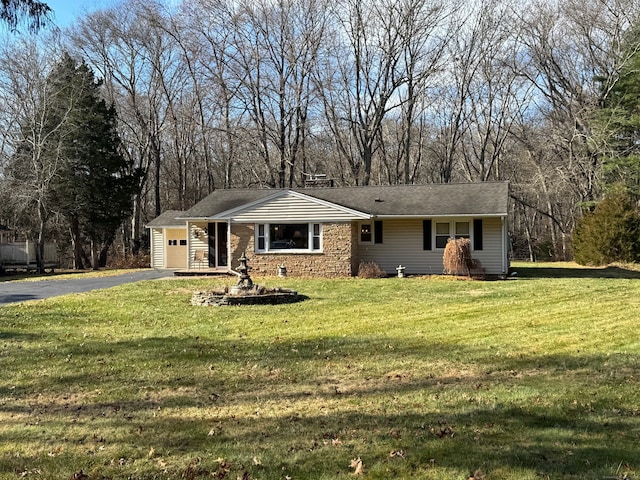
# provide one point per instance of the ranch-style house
(327, 232)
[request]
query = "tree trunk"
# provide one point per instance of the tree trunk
(136, 224)
(94, 255)
(104, 251)
(76, 244)
(42, 218)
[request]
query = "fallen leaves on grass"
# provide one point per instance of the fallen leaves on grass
(443, 430)
(80, 475)
(358, 466)
(55, 452)
(224, 468)
(193, 470)
(397, 454)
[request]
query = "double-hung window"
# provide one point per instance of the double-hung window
(447, 230)
(442, 234)
(288, 237)
(443, 231)
(462, 230)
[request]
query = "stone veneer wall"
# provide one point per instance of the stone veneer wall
(335, 260)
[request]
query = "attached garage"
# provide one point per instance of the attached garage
(169, 245)
(176, 253)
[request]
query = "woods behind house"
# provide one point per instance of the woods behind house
(147, 106)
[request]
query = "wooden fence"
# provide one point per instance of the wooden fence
(24, 253)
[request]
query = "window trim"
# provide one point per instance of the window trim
(452, 231)
(376, 230)
(261, 237)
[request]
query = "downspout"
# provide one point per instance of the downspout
(151, 239)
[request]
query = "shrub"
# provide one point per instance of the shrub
(133, 261)
(457, 257)
(370, 270)
(609, 233)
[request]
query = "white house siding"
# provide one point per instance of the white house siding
(492, 257)
(157, 248)
(292, 208)
(197, 240)
(403, 245)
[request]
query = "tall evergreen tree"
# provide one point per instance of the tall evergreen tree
(617, 126)
(95, 186)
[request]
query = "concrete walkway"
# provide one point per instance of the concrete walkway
(13, 292)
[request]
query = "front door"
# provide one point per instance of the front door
(217, 245)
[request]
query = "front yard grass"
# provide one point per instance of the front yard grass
(418, 378)
(62, 275)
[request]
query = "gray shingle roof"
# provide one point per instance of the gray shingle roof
(168, 219)
(223, 200)
(486, 198)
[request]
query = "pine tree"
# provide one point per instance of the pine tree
(617, 123)
(95, 187)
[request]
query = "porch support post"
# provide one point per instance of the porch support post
(188, 245)
(229, 249)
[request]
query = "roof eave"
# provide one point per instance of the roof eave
(445, 215)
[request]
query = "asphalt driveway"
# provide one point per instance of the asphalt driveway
(13, 292)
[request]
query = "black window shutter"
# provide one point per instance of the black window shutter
(477, 234)
(426, 234)
(377, 231)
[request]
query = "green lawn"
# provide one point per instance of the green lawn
(62, 275)
(533, 377)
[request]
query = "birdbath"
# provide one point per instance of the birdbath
(245, 292)
(244, 282)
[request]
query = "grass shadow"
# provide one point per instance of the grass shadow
(6, 299)
(270, 418)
